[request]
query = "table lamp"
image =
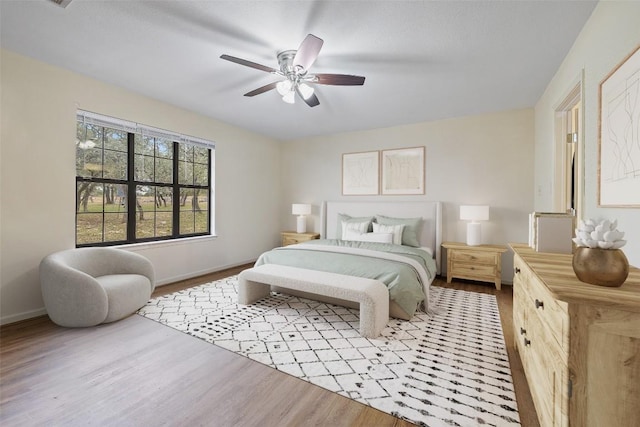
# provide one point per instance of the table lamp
(301, 209)
(474, 213)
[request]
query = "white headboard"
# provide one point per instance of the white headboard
(429, 235)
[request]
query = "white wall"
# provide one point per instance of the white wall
(484, 159)
(481, 159)
(37, 180)
(611, 33)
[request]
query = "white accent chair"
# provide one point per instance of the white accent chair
(89, 286)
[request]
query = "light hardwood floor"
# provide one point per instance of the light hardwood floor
(138, 372)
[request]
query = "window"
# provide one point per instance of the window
(164, 178)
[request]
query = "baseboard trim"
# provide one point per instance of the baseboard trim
(25, 315)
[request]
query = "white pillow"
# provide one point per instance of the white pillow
(344, 217)
(395, 230)
(369, 237)
(354, 227)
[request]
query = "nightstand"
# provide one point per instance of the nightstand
(291, 237)
(482, 263)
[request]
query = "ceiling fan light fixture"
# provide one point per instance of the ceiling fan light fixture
(289, 97)
(305, 90)
(294, 66)
(284, 87)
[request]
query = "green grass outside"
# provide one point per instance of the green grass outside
(157, 222)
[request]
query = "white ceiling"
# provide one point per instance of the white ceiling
(423, 60)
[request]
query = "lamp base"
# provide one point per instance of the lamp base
(474, 236)
(301, 224)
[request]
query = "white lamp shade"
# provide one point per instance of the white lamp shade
(300, 209)
(305, 90)
(289, 98)
(474, 213)
(283, 87)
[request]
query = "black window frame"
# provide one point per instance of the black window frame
(132, 185)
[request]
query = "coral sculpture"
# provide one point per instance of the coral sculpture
(603, 235)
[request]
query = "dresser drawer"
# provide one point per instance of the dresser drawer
(476, 257)
(545, 365)
(547, 375)
(519, 319)
(553, 315)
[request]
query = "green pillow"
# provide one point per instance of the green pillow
(348, 218)
(411, 228)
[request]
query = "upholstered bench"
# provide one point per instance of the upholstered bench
(372, 295)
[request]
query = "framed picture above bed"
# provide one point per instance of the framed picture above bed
(360, 173)
(403, 171)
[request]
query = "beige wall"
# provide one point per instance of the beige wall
(484, 159)
(612, 32)
(37, 180)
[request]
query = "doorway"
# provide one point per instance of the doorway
(569, 144)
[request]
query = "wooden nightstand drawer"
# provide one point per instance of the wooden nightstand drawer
(473, 270)
(291, 237)
(474, 257)
(292, 240)
(482, 263)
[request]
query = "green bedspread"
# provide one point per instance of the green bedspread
(402, 280)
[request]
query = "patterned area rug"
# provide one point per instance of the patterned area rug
(448, 370)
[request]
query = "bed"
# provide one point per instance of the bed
(403, 251)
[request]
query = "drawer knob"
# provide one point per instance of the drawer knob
(539, 304)
(523, 331)
(517, 270)
(527, 342)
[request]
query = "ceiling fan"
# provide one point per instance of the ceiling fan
(294, 67)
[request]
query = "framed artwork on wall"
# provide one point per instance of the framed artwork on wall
(619, 135)
(403, 171)
(360, 173)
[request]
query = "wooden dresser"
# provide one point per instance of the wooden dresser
(579, 343)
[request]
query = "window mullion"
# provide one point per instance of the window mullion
(209, 195)
(131, 189)
(176, 191)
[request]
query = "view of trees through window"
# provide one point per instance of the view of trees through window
(132, 187)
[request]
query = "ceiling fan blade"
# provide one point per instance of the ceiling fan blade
(249, 63)
(338, 80)
(308, 51)
(262, 89)
(311, 101)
